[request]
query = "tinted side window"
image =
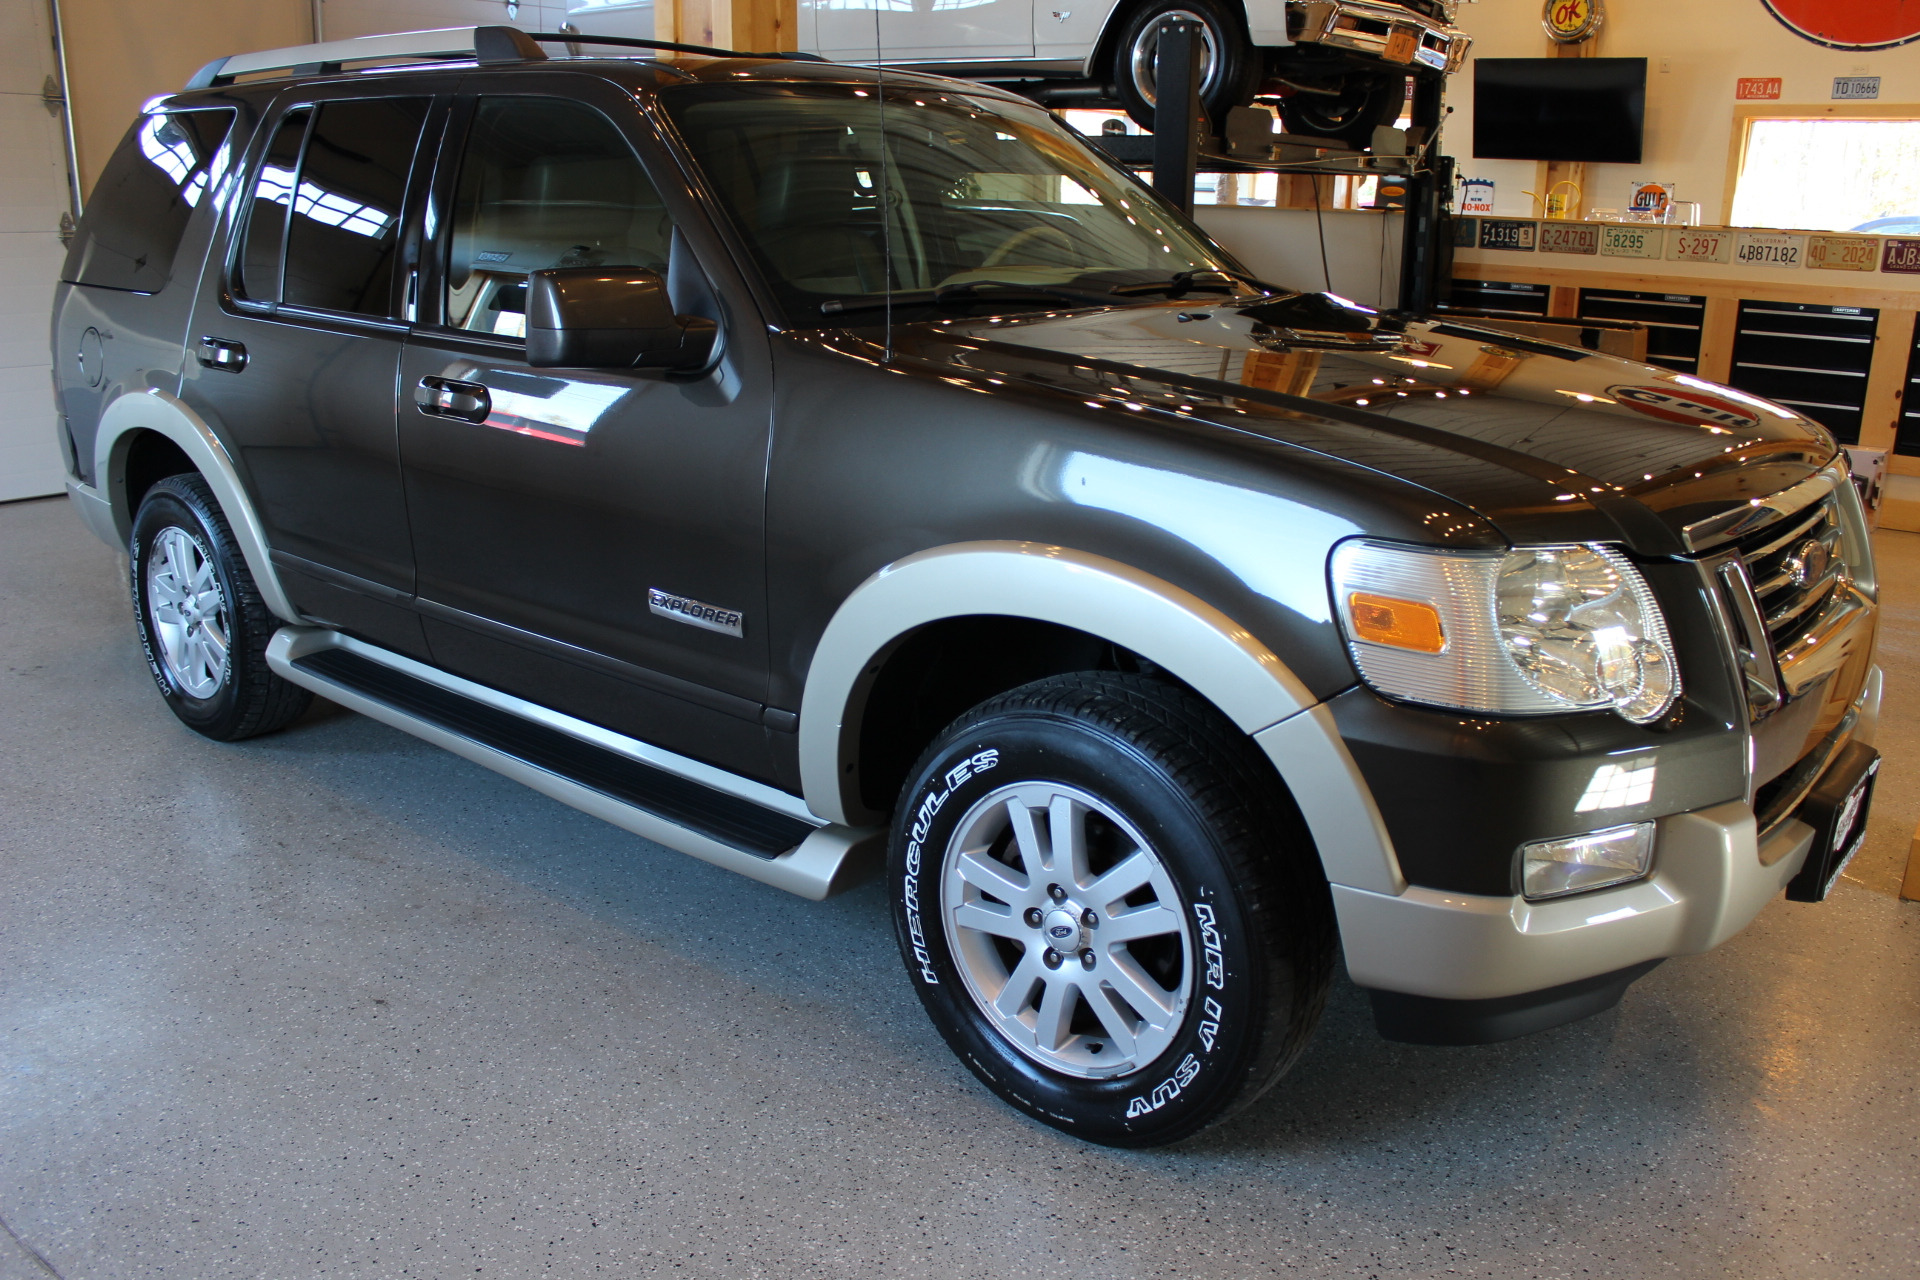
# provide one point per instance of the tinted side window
(259, 275)
(163, 169)
(544, 183)
(346, 209)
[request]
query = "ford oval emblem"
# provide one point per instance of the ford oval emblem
(1808, 564)
(1061, 931)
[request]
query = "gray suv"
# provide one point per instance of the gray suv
(810, 468)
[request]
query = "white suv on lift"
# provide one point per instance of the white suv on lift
(1333, 68)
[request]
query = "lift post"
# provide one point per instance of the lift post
(1177, 117)
(1183, 138)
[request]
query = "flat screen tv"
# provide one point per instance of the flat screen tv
(1590, 109)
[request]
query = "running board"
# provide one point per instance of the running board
(695, 808)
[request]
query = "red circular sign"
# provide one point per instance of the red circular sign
(1850, 24)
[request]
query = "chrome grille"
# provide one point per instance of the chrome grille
(1795, 565)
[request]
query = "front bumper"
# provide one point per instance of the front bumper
(1466, 968)
(1712, 875)
(1382, 31)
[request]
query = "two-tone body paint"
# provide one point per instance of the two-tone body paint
(1186, 440)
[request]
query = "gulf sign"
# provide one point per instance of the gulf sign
(1850, 24)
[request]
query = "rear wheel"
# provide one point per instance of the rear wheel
(1346, 109)
(1229, 66)
(1107, 908)
(202, 623)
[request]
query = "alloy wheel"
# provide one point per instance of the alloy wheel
(188, 612)
(1067, 930)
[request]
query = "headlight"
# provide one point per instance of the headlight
(1532, 631)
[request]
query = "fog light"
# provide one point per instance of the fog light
(1552, 868)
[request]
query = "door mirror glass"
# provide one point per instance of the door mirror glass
(611, 318)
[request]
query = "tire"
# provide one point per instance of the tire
(1353, 108)
(203, 626)
(1229, 66)
(1228, 914)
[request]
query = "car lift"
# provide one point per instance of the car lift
(1182, 139)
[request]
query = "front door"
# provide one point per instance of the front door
(590, 540)
(296, 344)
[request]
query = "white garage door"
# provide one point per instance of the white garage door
(33, 157)
(345, 18)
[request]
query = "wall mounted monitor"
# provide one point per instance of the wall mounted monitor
(1590, 109)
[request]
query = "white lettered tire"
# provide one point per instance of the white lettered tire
(1109, 907)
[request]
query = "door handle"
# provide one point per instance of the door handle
(446, 398)
(219, 353)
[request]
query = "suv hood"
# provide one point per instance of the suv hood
(1546, 442)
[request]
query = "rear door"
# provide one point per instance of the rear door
(559, 515)
(295, 344)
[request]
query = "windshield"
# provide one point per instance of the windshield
(979, 193)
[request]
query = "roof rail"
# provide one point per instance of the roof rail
(478, 44)
(485, 45)
(631, 42)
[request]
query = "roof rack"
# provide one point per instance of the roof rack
(485, 45)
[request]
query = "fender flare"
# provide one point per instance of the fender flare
(1168, 626)
(167, 415)
(1266, 24)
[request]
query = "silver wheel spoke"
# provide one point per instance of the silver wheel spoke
(1150, 921)
(1001, 924)
(1142, 994)
(992, 878)
(1067, 832)
(214, 641)
(1124, 1044)
(1132, 873)
(1026, 838)
(1055, 1015)
(1013, 996)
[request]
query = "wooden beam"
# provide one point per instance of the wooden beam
(1718, 330)
(753, 26)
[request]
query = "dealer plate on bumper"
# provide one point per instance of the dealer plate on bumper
(1836, 809)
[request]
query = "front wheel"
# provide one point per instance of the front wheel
(1229, 66)
(202, 623)
(1107, 908)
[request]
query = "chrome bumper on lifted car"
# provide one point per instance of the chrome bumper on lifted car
(1383, 31)
(1793, 590)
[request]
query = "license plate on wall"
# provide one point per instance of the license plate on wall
(1504, 233)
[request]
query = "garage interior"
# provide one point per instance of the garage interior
(336, 1002)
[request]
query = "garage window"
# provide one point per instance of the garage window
(1830, 175)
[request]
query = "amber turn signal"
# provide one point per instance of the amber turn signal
(1404, 624)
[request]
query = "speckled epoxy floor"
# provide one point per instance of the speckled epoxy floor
(333, 1003)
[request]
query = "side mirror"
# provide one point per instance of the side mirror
(612, 318)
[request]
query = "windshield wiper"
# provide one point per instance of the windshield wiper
(1185, 282)
(971, 291)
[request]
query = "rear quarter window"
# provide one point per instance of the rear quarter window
(163, 169)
